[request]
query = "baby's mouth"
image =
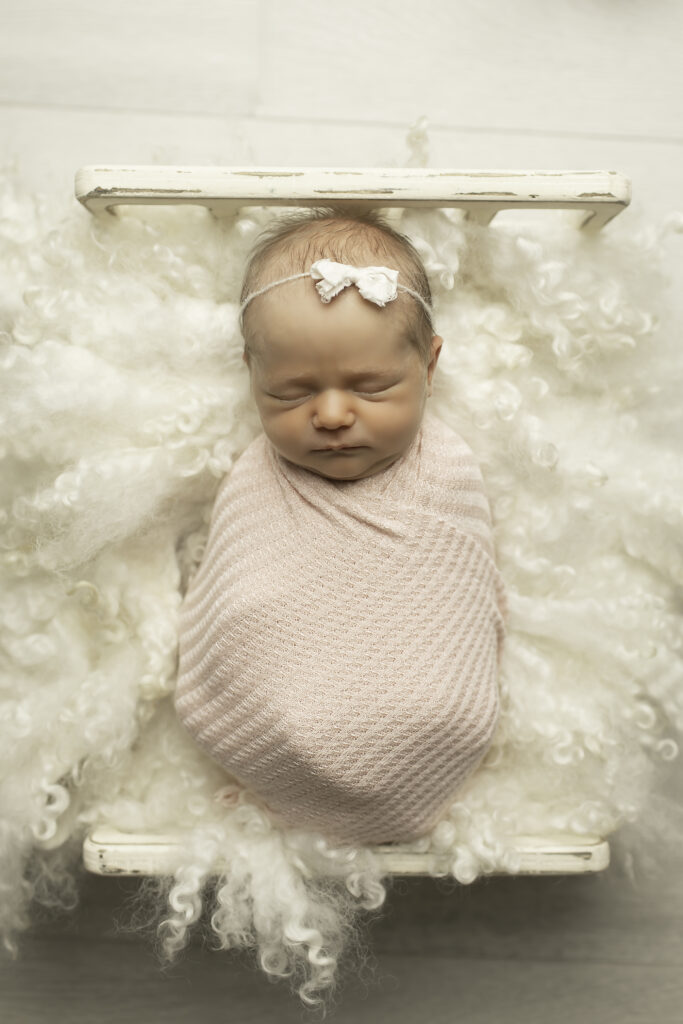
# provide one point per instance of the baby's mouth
(340, 448)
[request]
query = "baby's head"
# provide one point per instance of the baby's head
(341, 372)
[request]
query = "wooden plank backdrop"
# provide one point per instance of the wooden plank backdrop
(582, 83)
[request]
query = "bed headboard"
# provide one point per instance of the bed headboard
(597, 196)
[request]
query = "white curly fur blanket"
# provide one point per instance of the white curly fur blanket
(124, 403)
(339, 645)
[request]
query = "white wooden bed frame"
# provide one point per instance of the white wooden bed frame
(597, 196)
(109, 851)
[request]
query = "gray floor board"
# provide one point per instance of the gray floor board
(577, 950)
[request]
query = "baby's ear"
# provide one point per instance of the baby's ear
(437, 342)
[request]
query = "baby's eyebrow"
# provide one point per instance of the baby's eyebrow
(306, 378)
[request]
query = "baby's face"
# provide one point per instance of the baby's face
(337, 373)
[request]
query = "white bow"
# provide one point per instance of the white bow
(378, 284)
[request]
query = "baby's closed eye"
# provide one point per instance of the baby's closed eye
(358, 391)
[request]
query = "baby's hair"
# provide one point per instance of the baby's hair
(296, 240)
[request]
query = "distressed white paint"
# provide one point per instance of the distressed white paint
(108, 851)
(601, 195)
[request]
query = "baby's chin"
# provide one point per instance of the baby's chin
(339, 467)
(340, 475)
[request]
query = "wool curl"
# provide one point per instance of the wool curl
(125, 402)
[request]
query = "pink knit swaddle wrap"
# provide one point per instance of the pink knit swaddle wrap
(339, 643)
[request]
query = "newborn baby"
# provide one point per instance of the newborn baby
(340, 641)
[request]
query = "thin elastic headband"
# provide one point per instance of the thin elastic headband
(377, 284)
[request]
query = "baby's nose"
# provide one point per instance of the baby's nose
(333, 408)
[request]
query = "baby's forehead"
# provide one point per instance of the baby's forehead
(277, 351)
(284, 345)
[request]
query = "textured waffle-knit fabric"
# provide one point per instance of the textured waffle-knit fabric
(339, 644)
